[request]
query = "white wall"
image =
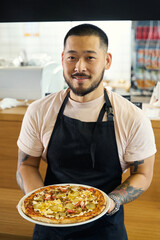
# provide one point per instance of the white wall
(50, 42)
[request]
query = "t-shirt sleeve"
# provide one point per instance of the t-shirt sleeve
(141, 141)
(29, 138)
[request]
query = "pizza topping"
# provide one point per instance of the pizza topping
(38, 198)
(53, 197)
(47, 197)
(90, 206)
(63, 189)
(69, 206)
(82, 205)
(65, 202)
(78, 204)
(70, 210)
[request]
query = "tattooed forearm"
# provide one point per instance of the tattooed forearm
(22, 158)
(135, 165)
(20, 181)
(28, 175)
(127, 193)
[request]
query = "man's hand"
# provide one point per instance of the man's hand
(112, 206)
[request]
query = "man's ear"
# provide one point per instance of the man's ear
(108, 60)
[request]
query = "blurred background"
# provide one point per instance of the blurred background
(30, 57)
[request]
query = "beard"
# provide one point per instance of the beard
(80, 91)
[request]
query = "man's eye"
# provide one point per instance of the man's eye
(71, 58)
(90, 57)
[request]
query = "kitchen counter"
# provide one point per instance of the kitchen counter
(12, 114)
(139, 215)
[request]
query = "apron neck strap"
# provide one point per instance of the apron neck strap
(107, 107)
(63, 105)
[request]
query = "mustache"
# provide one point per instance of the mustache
(80, 75)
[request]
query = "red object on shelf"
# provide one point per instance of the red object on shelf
(139, 32)
(150, 35)
(155, 33)
(145, 32)
(158, 30)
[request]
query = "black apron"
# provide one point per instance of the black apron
(85, 153)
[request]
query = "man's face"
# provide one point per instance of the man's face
(84, 61)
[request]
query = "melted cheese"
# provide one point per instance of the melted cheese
(69, 200)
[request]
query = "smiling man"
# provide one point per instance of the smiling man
(87, 135)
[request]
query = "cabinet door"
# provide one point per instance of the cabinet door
(9, 132)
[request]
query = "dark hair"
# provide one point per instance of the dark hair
(87, 30)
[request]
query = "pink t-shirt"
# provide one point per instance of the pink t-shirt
(133, 130)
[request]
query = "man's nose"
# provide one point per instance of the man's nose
(80, 66)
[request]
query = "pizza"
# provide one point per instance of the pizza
(63, 204)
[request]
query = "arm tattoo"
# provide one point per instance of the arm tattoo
(22, 158)
(127, 193)
(20, 181)
(135, 165)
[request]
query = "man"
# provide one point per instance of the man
(87, 135)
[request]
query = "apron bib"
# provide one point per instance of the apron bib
(85, 153)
